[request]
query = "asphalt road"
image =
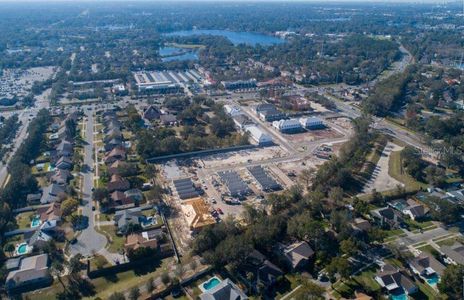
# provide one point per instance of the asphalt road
(89, 241)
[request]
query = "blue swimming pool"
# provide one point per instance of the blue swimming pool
(35, 221)
(399, 297)
(211, 283)
(433, 280)
(22, 249)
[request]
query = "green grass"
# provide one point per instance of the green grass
(362, 281)
(395, 170)
(427, 249)
(116, 243)
(23, 220)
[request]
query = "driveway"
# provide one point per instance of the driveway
(89, 241)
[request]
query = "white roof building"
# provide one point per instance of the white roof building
(311, 122)
(287, 125)
(258, 135)
(232, 110)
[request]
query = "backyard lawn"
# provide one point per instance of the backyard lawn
(24, 219)
(116, 242)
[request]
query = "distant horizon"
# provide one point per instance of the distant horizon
(242, 1)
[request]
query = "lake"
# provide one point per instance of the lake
(235, 37)
(177, 54)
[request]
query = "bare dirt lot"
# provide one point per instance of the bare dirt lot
(312, 135)
(243, 156)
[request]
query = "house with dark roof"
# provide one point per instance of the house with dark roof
(224, 290)
(64, 163)
(28, 273)
(118, 183)
(297, 255)
(394, 281)
(454, 253)
(115, 167)
(124, 218)
(113, 143)
(61, 177)
(118, 153)
(386, 217)
(151, 113)
(51, 193)
(265, 273)
(426, 266)
(168, 119)
(50, 212)
(65, 148)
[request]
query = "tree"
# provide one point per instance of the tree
(165, 278)
(451, 281)
(117, 296)
(336, 195)
(150, 285)
(348, 247)
(99, 194)
(10, 248)
(69, 206)
(134, 293)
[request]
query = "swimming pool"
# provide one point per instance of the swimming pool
(147, 221)
(399, 297)
(35, 222)
(22, 249)
(433, 280)
(209, 284)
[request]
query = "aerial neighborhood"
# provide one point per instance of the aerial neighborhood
(222, 150)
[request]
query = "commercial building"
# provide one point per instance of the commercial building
(287, 126)
(239, 84)
(258, 135)
(165, 81)
(235, 185)
(265, 182)
(312, 123)
(185, 189)
(268, 112)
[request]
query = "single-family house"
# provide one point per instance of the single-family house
(118, 153)
(118, 183)
(361, 224)
(394, 281)
(50, 212)
(51, 193)
(296, 255)
(454, 253)
(265, 273)
(28, 273)
(168, 119)
(139, 240)
(426, 266)
(386, 217)
(64, 163)
(224, 290)
(65, 148)
(61, 176)
(151, 113)
(127, 217)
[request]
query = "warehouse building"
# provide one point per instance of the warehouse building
(235, 185)
(185, 188)
(258, 135)
(165, 81)
(288, 126)
(265, 182)
(312, 123)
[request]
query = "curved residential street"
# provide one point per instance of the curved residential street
(89, 241)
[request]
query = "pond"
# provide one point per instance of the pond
(236, 38)
(177, 54)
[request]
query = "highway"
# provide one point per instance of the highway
(25, 116)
